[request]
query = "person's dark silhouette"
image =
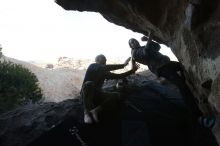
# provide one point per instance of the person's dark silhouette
(94, 98)
(161, 66)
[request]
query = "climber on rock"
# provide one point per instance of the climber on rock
(149, 55)
(96, 100)
(161, 66)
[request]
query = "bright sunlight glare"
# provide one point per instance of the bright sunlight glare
(42, 30)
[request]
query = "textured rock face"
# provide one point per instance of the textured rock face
(19, 127)
(153, 110)
(190, 28)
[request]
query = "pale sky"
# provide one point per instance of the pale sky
(42, 30)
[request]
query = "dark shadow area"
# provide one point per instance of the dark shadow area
(203, 10)
(151, 115)
(207, 84)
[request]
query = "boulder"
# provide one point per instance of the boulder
(154, 110)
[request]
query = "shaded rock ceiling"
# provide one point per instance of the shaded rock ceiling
(190, 27)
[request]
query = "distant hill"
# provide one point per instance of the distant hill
(62, 78)
(57, 84)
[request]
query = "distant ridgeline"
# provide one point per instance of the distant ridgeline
(82, 64)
